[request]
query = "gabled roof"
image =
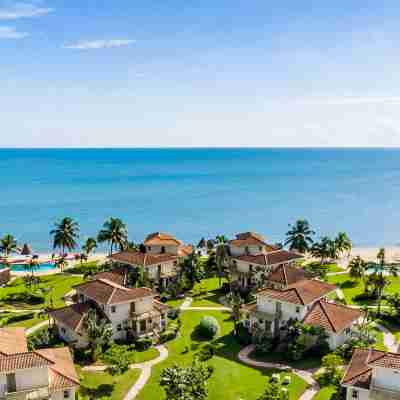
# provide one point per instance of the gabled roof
(13, 340)
(303, 292)
(332, 317)
(25, 360)
(359, 371)
(250, 238)
(160, 238)
(72, 316)
(185, 250)
(113, 276)
(287, 275)
(272, 258)
(104, 291)
(139, 258)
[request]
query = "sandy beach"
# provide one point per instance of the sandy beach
(369, 253)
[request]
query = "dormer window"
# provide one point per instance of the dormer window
(113, 309)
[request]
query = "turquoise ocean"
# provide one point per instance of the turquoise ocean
(202, 192)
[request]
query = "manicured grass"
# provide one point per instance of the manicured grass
(325, 393)
(27, 323)
(231, 379)
(99, 385)
(175, 303)
(334, 268)
(379, 345)
(142, 356)
(305, 363)
(60, 283)
(353, 288)
(209, 293)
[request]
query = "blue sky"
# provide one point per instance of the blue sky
(199, 73)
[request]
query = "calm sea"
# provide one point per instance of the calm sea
(202, 192)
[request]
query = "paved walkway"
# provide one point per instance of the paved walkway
(306, 375)
(145, 374)
(389, 339)
(187, 305)
(36, 327)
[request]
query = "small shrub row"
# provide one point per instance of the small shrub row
(170, 333)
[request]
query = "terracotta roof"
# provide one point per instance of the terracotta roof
(359, 370)
(139, 258)
(63, 373)
(24, 360)
(332, 317)
(13, 340)
(250, 238)
(303, 292)
(72, 316)
(104, 291)
(272, 258)
(113, 276)
(185, 250)
(160, 238)
(287, 275)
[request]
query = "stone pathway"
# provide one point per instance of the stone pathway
(187, 303)
(145, 374)
(306, 375)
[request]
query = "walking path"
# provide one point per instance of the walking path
(187, 305)
(389, 339)
(145, 374)
(36, 327)
(306, 375)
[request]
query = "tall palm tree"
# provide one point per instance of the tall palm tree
(343, 243)
(8, 245)
(324, 249)
(89, 246)
(65, 234)
(299, 236)
(115, 233)
(61, 262)
(357, 268)
(221, 255)
(235, 301)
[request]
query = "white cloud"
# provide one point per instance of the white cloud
(23, 10)
(99, 44)
(9, 32)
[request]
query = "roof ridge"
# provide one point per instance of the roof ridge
(326, 314)
(297, 293)
(349, 366)
(56, 370)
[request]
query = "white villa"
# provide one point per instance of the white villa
(34, 375)
(252, 259)
(372, 374)
(159, 258)
(290, 295)
(132, 312)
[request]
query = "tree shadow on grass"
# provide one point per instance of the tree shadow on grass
(348, 284)
(103, 390)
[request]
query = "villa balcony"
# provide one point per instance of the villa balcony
(41, 393)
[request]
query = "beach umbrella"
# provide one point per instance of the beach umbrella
(26, 250)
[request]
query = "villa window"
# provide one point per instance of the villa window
(175, 263)
(63, 330)
(66, 394)
(162, 249)
(354, 394)
(250, 267)
(260, 248)
(113, 309)
(149, 248)
(119, 327)
(297, 309)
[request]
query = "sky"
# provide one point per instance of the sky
(159, 73)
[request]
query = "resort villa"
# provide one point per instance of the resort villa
(252, 259)
(34, 375)
(159, 257)
(289, 295)
(372, 374)
(132, 312)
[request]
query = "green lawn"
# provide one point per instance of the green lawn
(60, 283)
(325, 393)
(231, 380)
(379, 345)
(207, 293)
(175, 303)
(142, 356)
(28, 323)
(353, 288)
(392, 326)
(101, 385)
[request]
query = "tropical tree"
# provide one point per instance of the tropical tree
(221, 254)
(275, 390)
(114, 233)
(117, 358)
(324, 249)
(186, 383)
(357, 268)
(65, 234)
(8, 245)
(89, 246)
(343, 243)
(235, 301)
(99, 333)
(394, 302)
(299, 236)
(61, 262)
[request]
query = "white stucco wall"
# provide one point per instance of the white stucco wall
(32, 378)
(71, 336)
(170, 249)
(167, 267)
(253, 250)
(386, 378)
(362, 394)
(60, 394)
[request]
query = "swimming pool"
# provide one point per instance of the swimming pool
(43, 267)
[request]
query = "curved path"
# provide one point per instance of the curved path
(145, 374)
(389, 340)
(306, 375)
(187, 305)
(36, 327)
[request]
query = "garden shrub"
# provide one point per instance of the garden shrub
(143, 343)
(243, 336)
(206, 352)
(25, 297)
(208, 327)
(17, 317)
(174, 313)
(164, 297)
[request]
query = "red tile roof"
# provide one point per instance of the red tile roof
(26, 360)
(272, 258)
(139, 258)
(287, 275)
(303, 292)
(160, 238)
(249, 239)
(113, 276)
(13, 340)
(184, 251)
(72, 316)
(332, 317)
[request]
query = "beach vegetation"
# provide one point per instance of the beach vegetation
(8, 245)
(88, 248)
(114, 233)
(299, 236)
(65, 235)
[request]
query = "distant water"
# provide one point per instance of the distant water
(202, 192)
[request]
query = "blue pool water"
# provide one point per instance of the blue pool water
(40, 268)
(202, 192)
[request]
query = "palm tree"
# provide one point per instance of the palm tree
(115, 233)
(357, 268)
(343, 243)
(299, 236)
(65, 234)
(235, 301)
(61, 262)
(324, 249)
(89, 246)
(221, 255)
(99, 332)
(8, 245)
